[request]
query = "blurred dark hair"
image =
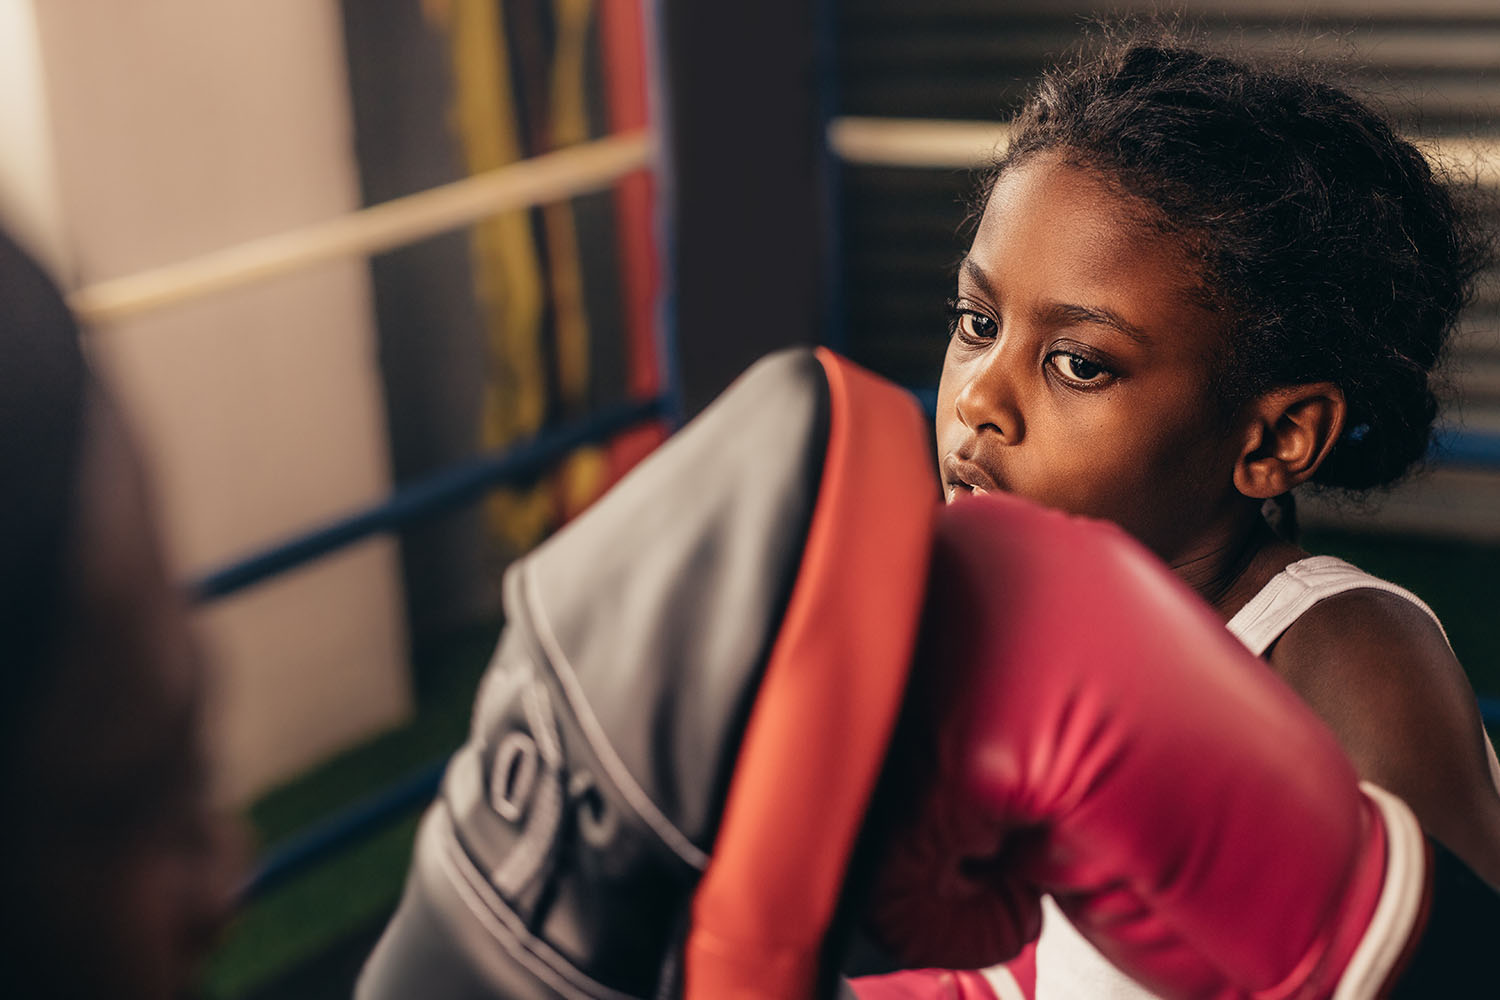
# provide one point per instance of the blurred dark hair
(1331, 246)
(42, 390)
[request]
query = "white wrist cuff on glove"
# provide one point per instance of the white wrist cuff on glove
(1400, 903)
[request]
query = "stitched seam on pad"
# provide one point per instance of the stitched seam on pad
(502, 925)
(598, 742)
(541, 827)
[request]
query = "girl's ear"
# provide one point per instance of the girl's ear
(1287, 434)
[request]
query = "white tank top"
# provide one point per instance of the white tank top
(1067, 966)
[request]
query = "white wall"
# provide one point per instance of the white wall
(29, 202)
(178, 127)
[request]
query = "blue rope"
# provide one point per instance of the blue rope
(310, 847)
(328, 837)
(452, 487)
(664, 205)
(1450, 446)
(468, 481)
(1489, 708)
(1472, 448)
(316, 843)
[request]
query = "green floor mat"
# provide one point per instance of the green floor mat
(298, 921)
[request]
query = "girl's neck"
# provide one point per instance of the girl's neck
(1229, 573)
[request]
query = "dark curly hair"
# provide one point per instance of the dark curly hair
(1335, 251)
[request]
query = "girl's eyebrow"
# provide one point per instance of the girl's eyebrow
(976, 274)
(1098, 314)
(1063, 312)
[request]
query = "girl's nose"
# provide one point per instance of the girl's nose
(988, 400)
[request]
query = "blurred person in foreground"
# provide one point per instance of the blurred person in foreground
(115, 873)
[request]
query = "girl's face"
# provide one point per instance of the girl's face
(1079, 373)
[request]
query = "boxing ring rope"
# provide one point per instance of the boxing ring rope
(429, 497)
(1450, 448)
(572, 171)
(921, 143)
(305, 849)
(450, 488)
(575, 170)
(965, 145)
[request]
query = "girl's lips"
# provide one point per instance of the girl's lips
(959, 472)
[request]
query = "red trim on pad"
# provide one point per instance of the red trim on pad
(818, 731)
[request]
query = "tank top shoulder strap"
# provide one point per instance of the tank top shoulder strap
(1306, 582)
(1296, 589)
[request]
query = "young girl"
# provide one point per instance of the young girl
(1195, 286)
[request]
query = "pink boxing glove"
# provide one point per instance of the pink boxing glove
(1092, 731)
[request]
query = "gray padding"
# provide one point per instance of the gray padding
(665, 602)
(443, 944)
(562, 853)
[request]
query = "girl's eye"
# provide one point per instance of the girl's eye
(970, 325)
(976, 326)
(1078, 369)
